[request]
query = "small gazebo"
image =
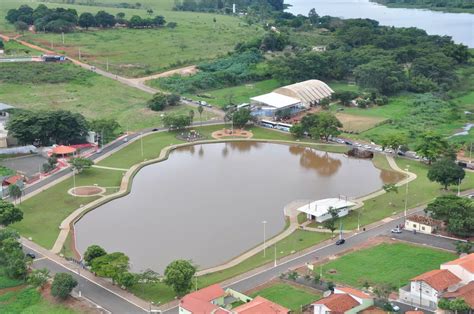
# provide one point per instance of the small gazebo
(63, 151)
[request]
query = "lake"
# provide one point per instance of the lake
(460, 26)
(207, 202)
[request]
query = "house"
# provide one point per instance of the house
(204, 301)
(343, 300)
(260, 305)
(319, 210)
(462, 267)
(466, 293)
(422, 224)
(426, 289)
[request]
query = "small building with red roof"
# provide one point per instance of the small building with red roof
(344, 300)
(204, 301)
(260, 305)
(466, 293)
(62, 150)
(462, 267)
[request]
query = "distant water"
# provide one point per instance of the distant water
(460, 26)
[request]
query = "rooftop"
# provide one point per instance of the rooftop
(339, 303)
(466, 262)
(466, 292)
(200, 301)
(260, 305)
(5, 106)
(321, 207)
(438, 279)
(354, 292)
(276, 100)
(424, 220)
(307, 91)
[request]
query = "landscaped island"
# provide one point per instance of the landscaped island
(466, 6)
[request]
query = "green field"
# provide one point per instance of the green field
(85, 95)
(238, 94)
(138, 52)
(393, 264)
(288, 296)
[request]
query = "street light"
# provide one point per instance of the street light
(151, 303)
(406, 192)
(264, 238)
(275, 247)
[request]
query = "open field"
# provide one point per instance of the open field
(84, 94)
(393, 264)
(139, 52)
(355, 123)
(287, 295)
(238, 94)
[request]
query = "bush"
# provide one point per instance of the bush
(62, 286)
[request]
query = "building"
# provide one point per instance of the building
(310, 92)
(205, 301)
(319, 210)
(343, 300)
(422, 224)
(466, 293)
(426, 289)
(260, 305)
(462, 267)
(4, 116)
(268, 105)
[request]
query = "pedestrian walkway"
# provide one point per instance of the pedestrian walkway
(109, 168)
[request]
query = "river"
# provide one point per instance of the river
(460, 26)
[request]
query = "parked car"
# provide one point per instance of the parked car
(340, 242)
(378, 149)
(30, 255)
(155, 129)
(348, 143)
(395, 307)
(367, 147)
(396, 230)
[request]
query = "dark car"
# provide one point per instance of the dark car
(31, 255)
(340, 242)
(155, 129)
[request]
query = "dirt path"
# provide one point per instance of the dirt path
(189, 70)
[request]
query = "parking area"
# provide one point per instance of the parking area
(27, 165)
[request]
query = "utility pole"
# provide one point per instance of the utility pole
(406, 194)
(62, 35)
(264, 238)
(275, 247)
(141, 142)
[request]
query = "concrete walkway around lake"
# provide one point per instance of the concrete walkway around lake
(109, 168)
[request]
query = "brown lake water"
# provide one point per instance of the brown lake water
(207, 202)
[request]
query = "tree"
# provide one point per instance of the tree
(431, 146)
(38, 277)
(15, 191)
(176, 122)
(446, 172)
(80, 164)
(393, 141)
(87, 20)
(191, 115)
(2, 45)
(345, 97)
(463, 247)
(240, 117)
(456, 212)
(328, 126)
(297, 130)
(108, 129)
(50, 165)
(200, 109)
(63, 283)
(455, 305)
(126, 279)
(110, 265)
(179, 275)
(383, 74)
(389, 188)
(9, 213)
(21, 26)
(383, 290)
(331, 222)
(93, 252)
(160, 101)
(104, 19)
(12, 257)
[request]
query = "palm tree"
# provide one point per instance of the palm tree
(200, 110)
(15, 191)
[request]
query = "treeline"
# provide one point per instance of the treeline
(225, 6)
(385, 59)
(66, 20)
(461, 4)
(234, 69)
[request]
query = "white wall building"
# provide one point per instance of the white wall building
(319, 210)
(462, 267)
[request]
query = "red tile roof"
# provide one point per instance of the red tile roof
(466, 292)
(466, 262)
(425, 220)
(354, 292)
(338, 303)
(438, 279)
(414, 312)
(260, 305)
(13, 179)
(200, 301)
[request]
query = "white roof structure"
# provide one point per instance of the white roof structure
(309, 92)
(275, 100)
(321, 207)
(5, 106)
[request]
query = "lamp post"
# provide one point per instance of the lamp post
(264, 238)
(406, 193)
(275, 263)
(74, 181)
(141, 142)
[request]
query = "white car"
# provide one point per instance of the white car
(395, 307)
(396, 230)
(378, 149)
(367, 147)
(357, 144)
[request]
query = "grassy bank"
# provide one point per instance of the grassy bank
(426, 5)
(393, 264)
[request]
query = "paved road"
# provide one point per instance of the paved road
(98, 294)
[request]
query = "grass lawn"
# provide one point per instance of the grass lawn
(44, 212)
(29, 300)
(139, 52)
(238, 94)
(288, 296)
(297, 241)
(357, 123)
(393, 264)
